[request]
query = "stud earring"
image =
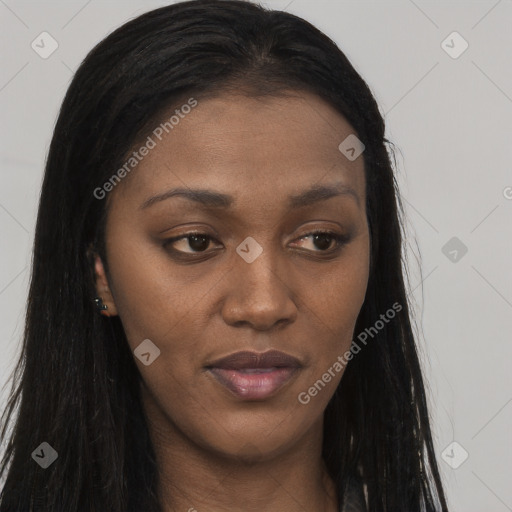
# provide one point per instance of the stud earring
(99, 304)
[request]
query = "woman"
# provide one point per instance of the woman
(217, 317)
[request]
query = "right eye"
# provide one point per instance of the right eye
(196, 241)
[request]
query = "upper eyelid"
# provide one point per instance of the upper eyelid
(212, 237)
(340, 238)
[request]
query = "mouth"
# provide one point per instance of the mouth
(253, 376)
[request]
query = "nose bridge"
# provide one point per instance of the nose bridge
(258, 265)
(259, 293)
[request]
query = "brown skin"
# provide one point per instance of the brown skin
(215, 451)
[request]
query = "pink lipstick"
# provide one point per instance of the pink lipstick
(253, 376)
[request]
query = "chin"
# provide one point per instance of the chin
(258, 441)
(251, 450)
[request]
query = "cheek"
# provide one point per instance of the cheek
(152, 299)
(336, 308)
(342, 293)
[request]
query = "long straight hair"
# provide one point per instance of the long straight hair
(76, 386)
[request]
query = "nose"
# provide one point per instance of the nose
(259, 295)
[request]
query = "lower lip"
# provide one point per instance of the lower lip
(253, 386)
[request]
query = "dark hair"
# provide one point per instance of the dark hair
(76, 383)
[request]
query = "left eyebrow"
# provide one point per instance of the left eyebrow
(214, 199)
(321, 193)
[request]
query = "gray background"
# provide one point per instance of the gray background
(451, 121)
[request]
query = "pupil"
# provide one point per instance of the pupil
(198, 246)
(320, 240)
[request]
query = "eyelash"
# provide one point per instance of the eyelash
(340, 240)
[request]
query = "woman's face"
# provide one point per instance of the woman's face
(255, 279)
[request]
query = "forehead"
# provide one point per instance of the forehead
(247, 145)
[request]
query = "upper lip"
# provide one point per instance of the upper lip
(246, 359)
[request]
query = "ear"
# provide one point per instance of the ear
(102, 287)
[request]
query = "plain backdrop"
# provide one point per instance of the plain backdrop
(449, 113)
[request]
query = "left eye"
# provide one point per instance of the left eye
(323, 240)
